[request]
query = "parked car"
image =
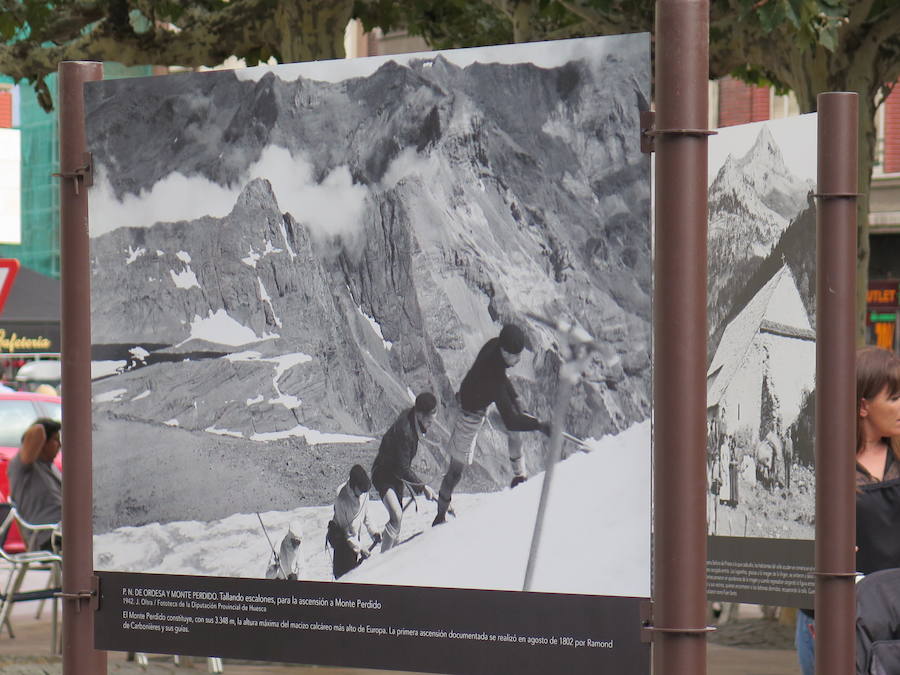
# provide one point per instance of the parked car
(18, 410)
(36, 373)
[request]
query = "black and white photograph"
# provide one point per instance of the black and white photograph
(332, 301)
(761, 313)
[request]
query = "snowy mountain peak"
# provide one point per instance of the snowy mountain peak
(752, 201)
(257, 191)
(765, 151)
(760, 185)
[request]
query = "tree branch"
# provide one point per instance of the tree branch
(884, 28)
(590, 16)
(500, 5)
(859, 12)
(574, 30)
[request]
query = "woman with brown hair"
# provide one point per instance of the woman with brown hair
(877, 476)
(877, 509)
(877, 460)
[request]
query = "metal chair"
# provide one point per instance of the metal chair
(30, 533)
(19, 564)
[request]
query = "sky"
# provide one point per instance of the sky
(334, 205)
(796, 136)
(543, 54)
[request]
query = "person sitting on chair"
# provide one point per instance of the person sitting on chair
(35, 481)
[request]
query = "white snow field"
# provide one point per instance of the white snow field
(596, 535)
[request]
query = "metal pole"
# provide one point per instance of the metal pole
(679, 392)
(836, 383)
(79, 656)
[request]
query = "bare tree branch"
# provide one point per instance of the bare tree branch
(587, 14)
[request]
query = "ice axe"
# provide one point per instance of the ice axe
(412, 500)
(576, 347)
(573, 333)
(582, 446)
(569, 437)
(411, 486)
(277, 557)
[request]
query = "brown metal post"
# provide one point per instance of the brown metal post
(79, 655)
(679, 393)
(836, 383)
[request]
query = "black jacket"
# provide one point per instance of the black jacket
(878, 624)
(486, 383)
(398, 448)
(878, 519)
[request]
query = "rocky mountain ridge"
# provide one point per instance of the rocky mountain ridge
(752, 201)
(492, 191)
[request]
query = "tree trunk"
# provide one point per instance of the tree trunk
(858, 77)
(521, 16)
(769, 612)
(867, 142)
(862, 78)
(312, 29)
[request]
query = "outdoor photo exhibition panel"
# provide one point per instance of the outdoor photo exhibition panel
(283, 260)
(761, 307)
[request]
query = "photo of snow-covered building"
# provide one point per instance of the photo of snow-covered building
(761, 375)
(762, 359)
(768, 350)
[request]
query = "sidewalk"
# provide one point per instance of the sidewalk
(29, 653)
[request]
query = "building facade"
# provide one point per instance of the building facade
(19, 108)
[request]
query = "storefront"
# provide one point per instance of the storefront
(29, 322)
(881, 314)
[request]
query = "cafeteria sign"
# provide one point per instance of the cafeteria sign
(29, 338)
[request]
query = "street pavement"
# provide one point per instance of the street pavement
(30, 653)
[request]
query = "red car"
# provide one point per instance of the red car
(18, 409)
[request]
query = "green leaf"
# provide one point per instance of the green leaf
(8, 27)
(793, 10)
(828, 38)
(37, 15)
(771, 15)
(835, 12)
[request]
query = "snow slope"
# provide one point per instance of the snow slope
(596, 537)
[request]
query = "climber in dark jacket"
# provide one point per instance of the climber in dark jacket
(392, 471)
(484, 384)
